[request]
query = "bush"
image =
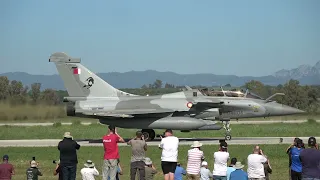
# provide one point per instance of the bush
(31, 112)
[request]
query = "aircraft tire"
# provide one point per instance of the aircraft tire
(228, 137)
(149, 134)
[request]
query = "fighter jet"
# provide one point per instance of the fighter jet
(92, 97)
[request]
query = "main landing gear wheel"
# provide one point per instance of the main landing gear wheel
(148, 134)
(226, 126)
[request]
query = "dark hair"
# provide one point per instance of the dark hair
(139, 134)
(312, 141)
(112, 128)
(299, 143)
(223, 146)
(169, 130)
(233, 161)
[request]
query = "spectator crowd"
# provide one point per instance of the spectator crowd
(304, 162)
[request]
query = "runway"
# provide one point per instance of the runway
(183, 141)
(231, 122)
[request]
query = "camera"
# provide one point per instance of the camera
(55, 162)
(33, 158)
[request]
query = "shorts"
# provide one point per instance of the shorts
(168, 167)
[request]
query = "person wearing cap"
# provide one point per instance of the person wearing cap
(33, 172)
(111, 153)
(205, 173)
(221, 158)
(169, 156)
(238, 174)
(89, 171)
(310, 160)
(6, 169)
(68, 156)
(296, 166)
(195, 156)
(179, 172)
(138, 149)
(150, 170)
(230, 169)
(256, 164)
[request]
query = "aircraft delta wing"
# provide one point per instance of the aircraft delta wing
(92, 97)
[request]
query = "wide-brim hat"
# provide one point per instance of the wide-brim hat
(238, 165)
(67, 135)
(89, 164)
(147, 161)
(196, 144)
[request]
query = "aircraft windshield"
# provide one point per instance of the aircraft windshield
(232, 93)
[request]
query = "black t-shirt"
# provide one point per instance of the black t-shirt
(68, 152)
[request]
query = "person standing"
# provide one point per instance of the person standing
(138, 148)
(89, 171)
(195, 156)
(169, 157)
(256, 164)
(205, 173)
(296, 166)
(231, 168)
(310, 160)
(33, 172)
(6, 169)
(111, 153)
(68, 156)
(220, 162)
(238, 174)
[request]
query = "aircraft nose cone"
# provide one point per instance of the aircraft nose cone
(291, 110)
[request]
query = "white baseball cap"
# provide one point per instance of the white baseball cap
(204, 163)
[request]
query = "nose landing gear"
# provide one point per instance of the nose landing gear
(226, 126)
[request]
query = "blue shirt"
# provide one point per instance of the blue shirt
(238, 174)
(295, 160)
(179, 172)
(229, 171)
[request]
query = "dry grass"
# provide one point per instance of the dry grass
(27, 112)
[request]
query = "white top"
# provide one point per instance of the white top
(220, 163)
(89, 173)
(194, 161)
(255, 166)
(205, 174)
(169, 147)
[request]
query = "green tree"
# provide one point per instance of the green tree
(4, 87)
(167, 85)
(50, 97)
(258, 88)
(35, 92)
(157, 84)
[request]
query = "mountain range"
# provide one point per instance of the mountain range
(306, 74)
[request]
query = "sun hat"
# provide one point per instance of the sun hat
(196, 144)
(67, 135)
(238, 165)
(89, 164)
(147, 161)
(204, 163)
(33, 163)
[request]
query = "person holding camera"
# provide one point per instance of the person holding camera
(58, 170)
(89, 171)
(138, 148)
(256, 163)
(33, 172)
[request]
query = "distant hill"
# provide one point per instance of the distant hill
(306, 74)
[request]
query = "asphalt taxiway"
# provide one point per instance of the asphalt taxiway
(183, 141)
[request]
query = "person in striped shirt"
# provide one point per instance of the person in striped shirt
(195, 156)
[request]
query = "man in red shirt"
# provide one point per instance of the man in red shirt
(111, 153)
(6, 169)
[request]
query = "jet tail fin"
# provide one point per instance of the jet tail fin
(274, 95)
(80, 81)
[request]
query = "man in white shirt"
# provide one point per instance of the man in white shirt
(195, 155)
(169, 157)
(205, 173)
(220, 162)
(89, 171)
(256, 164)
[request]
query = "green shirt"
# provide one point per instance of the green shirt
(149, 173)
(33, 173)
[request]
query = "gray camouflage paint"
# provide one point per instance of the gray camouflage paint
(112, 106)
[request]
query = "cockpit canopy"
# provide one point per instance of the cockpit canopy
(230, 93)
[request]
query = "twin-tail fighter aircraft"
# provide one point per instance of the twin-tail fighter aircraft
(92, 97)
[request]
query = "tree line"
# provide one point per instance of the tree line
(15, 93)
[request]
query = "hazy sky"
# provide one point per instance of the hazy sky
(247, 37)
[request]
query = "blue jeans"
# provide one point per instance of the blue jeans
(304, 178)
(220, 177)
(69, 172)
